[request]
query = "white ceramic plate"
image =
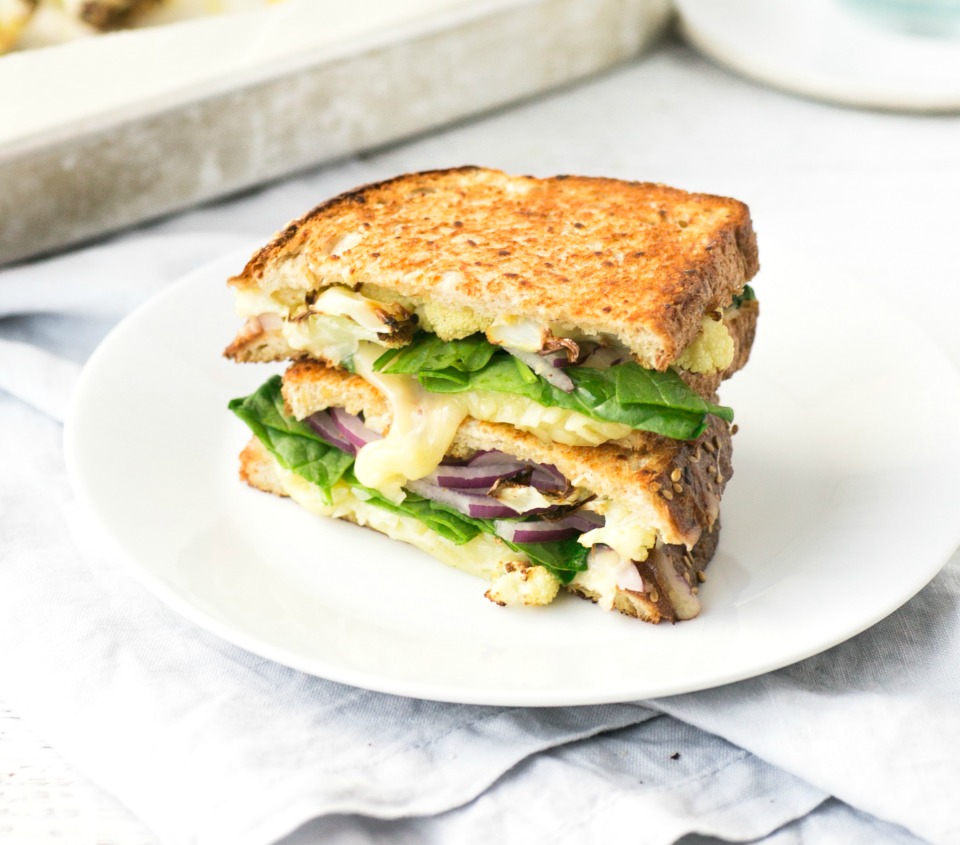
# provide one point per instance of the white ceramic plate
(843, 506)
(833, 50)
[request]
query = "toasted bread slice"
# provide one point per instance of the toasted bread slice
(636, 262)
(669, 577)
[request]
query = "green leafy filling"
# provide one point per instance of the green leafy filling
(301, 450)
(625, 393)
(746, 295)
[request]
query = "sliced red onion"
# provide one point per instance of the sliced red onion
(537, 363)
(584, 520)
(603, 357)
(322, 423)
(533, 531)
(270, 322)
(472, 504)
(491, 457)
(546, 530)
(557, 358)
(352, 428)
(543, 477)
(548, 477)
(483, 476)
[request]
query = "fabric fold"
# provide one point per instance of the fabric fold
(207, 743)
(203, 741)
(867, 721)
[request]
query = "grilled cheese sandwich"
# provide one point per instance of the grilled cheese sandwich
(505, 370)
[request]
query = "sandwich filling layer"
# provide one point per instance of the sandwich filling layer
(521, 525)
(329, 324)
(561, 389)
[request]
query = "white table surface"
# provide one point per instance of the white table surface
(875, 193)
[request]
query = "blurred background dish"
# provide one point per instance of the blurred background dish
(102, 133)
(888, 54)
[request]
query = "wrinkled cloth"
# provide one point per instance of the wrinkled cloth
(207, 743)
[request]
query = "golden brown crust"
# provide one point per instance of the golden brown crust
(257, 470)
(639, 261)
(675, 484)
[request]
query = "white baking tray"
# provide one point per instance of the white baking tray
(113, 130)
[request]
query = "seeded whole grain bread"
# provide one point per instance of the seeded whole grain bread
(640, 262)
(673, 485)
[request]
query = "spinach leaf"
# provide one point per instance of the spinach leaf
(293, 443)
(449, 524)
(428, 353)
(300, 449)
(564, 558)
(746, 295)
(625, 393)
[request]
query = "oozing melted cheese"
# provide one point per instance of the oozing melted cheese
(420, 434)
(424, 425)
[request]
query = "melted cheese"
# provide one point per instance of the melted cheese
(606, 573)
(424, 425)
(624, 530)
(252, 302)
(422, 430)
(339, 321)
(552, 425)
(332, 339)
(514, 581)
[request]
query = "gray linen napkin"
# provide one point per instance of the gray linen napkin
(209, 744)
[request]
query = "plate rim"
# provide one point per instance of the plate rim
(530, 697)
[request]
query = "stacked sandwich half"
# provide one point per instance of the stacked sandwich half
(516, 375)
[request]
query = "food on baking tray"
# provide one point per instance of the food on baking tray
(43, 23)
